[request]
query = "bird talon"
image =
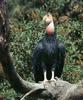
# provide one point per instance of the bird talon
(56, 78)
(45, 83)
(53, 80)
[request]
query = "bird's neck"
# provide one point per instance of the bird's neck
(50, 28)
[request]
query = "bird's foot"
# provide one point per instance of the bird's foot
(56, 78)
(53, 82)
(45, 83)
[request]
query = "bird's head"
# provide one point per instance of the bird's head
(48, 20)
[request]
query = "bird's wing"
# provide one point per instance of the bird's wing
(36, 62)
(36, 58)
(61, 58)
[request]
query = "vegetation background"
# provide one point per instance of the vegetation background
(26, 28)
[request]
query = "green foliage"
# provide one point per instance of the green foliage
(21, 46)
(58, 4)
(71, 32)
(6, 91)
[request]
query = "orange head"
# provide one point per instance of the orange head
(48, 19)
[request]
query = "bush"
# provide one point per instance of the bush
(6, 91)
(22, 44)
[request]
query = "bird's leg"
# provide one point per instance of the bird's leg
(53, 80)
(53, 76)
(45, 81)
(45, 73)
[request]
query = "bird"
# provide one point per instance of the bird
(49, 54)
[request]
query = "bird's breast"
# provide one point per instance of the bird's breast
(50, 51)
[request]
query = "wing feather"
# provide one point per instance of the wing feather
(61, 59)
(36, 62)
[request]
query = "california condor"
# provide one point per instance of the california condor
(49, 54)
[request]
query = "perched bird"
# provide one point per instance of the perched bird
(49, 54)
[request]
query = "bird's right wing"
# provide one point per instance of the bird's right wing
(37, 53)
(61, 58)
(36, 62)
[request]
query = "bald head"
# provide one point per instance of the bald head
(48, 18)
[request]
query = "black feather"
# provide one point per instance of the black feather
(48, 53)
